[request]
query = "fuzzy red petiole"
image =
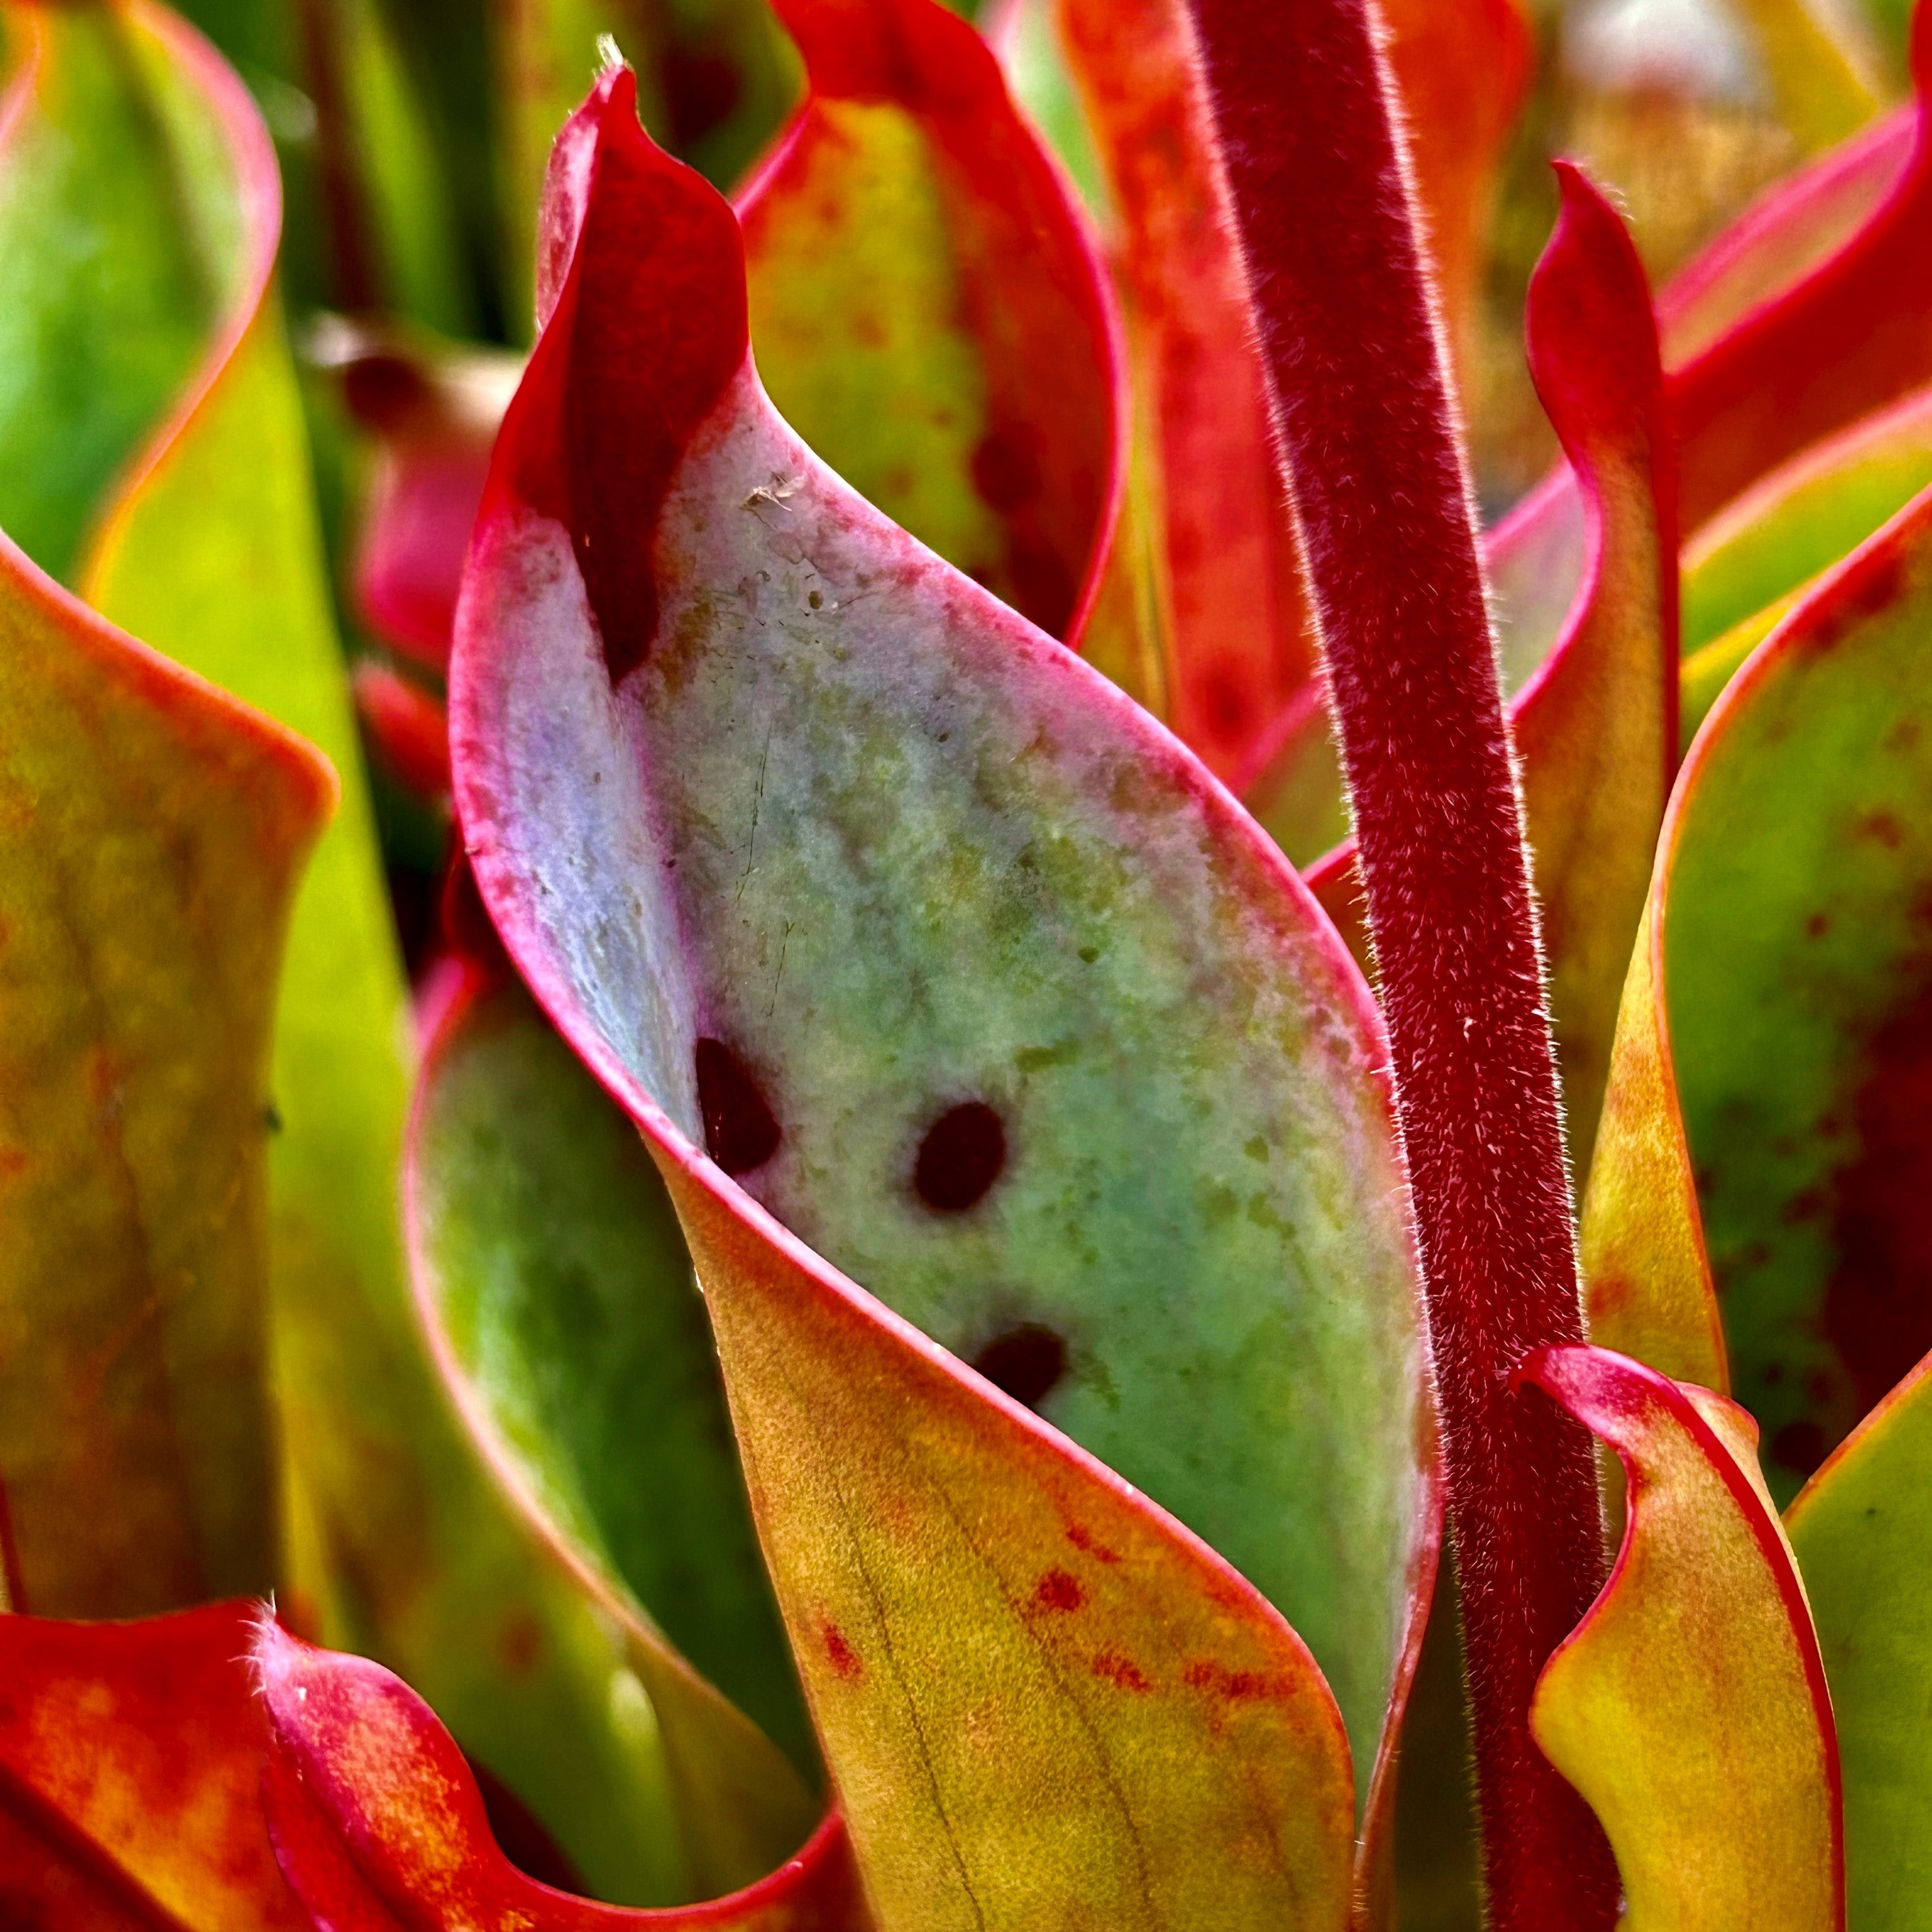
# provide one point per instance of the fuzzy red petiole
(1366, 429)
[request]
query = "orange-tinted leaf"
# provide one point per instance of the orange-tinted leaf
(929, 310)
(1462, 68)
(130, 1779)
(1009, 1653)
(1689, 1706)
(378, 1823)
(152, 833)
(1230, 616)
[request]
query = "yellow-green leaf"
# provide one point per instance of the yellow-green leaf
(151, 832)
(1689, 1707)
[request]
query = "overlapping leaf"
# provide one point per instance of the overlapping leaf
(131, 1758)
(207, 549)
(558, 1296)
(1750, 564)
(1810, 312)
(378, 1824)
(1780, 999)
(827, 861)
(929, 310)
(1690, 1707)
(1860, 1528)
(154, 832)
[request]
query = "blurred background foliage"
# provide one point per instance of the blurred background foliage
(412, 135)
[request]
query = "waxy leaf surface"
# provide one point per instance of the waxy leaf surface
(828, 863)
(131, 1757)
(379, 1826)
(1594, 729)
(1014, 1758)
(207, 549)
(1784, 998)
(558, 1293)
(928, 309)
(1689, 1706)
(152, 833)
(1860, 1528)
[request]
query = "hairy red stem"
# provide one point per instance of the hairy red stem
(1374, 467)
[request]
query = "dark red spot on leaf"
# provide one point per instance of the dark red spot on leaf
(1883, 828)
(1878, 1307)
(1082, 1538)
(960, 1158)
(522, 1644)
(1027, 1362)
(1121, 1670)
(844, 1660)
(740, 1131)
(1057, 1591)
(1817, 926)
(1234, 1686)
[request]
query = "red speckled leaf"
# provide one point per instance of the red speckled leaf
(1596, 727)
(929, 312)
(152, 834)
(130, 1779)
(1690, 1705)
(1779, 1034)
(831, 864)
(379, 1827)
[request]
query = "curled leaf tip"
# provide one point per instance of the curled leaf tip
(1689, 1707)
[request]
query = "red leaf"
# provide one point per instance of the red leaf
(131, 1770)
(380, 1826)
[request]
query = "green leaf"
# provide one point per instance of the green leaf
(1782, 997)
(555, 1281)
(989, 993)
(151, 834)
(1689, 1707)
(1742, 571)
(1861, 1527)
(119, 235)
(399, 1540)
